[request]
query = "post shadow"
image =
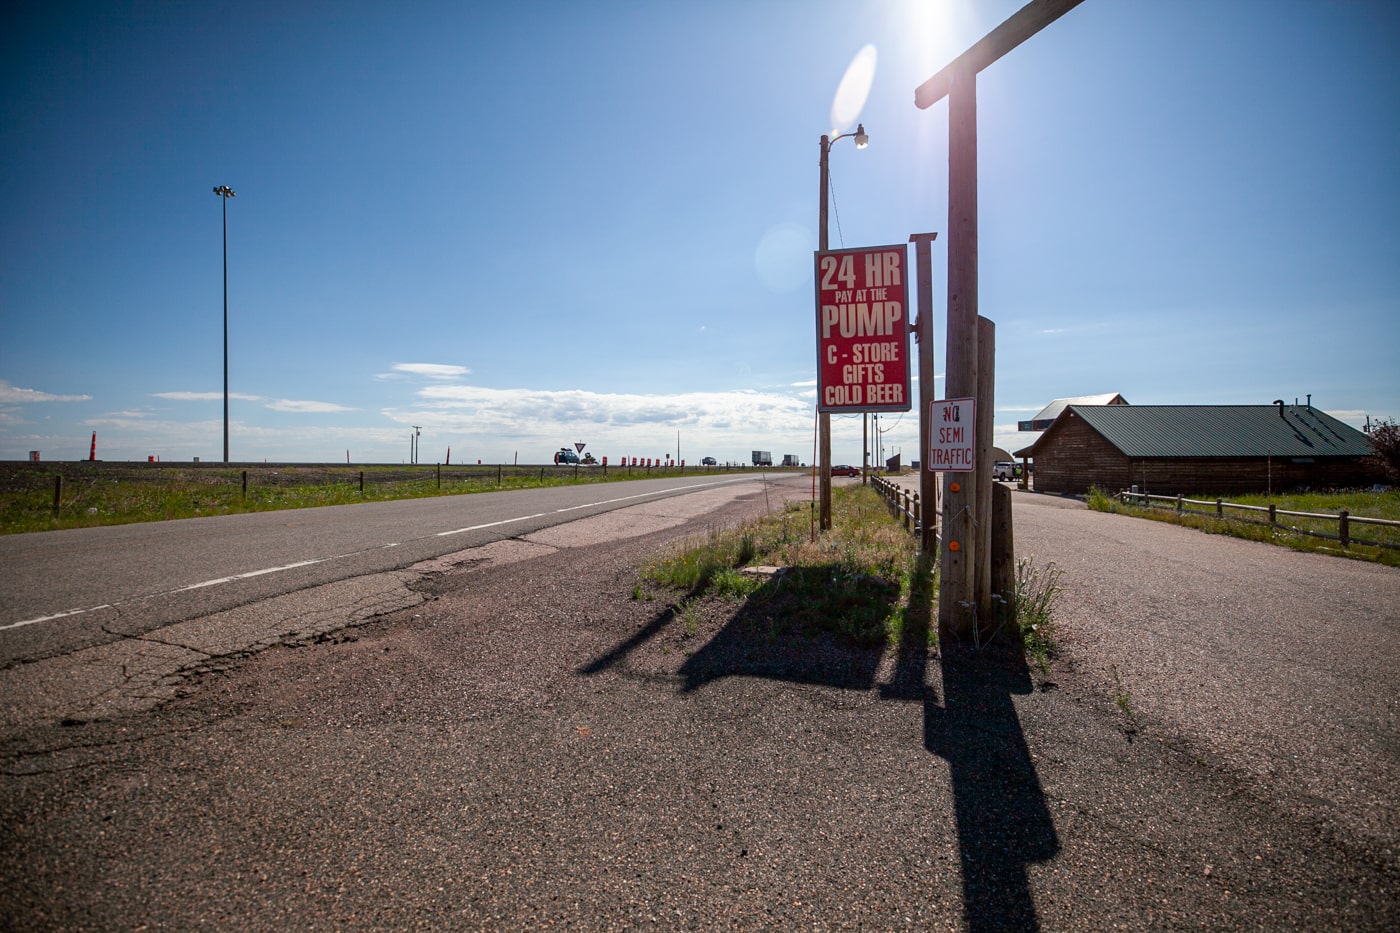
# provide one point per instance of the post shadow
(1003, 822)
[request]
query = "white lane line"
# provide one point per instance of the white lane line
(250, 573)
(196, 586)
(322, 560)
(586, 505)
(56, 615)
(504, 521)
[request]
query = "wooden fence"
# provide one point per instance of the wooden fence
(1218, 509)
(902, 502)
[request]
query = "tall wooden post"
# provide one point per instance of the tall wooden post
(957, 599)
(965, 577)
(986, 411)
(923, 332)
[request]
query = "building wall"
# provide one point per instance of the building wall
(1076, 457)
(1236, 475)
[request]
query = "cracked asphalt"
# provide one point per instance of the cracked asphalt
(523, 745)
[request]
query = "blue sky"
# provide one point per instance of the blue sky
(525, 225)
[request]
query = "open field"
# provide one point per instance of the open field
(80, 494)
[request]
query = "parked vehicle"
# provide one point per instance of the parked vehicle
(1005, 471)
(791, 460)
(709, 461)
(763, 458)
(565, 455)
(843, 469)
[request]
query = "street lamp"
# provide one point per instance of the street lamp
(225, 192)
(824, 422)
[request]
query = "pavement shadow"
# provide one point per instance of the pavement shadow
(775, 635)
(772, 636)
(1003, 822)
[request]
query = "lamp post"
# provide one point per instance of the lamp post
(824, 422)
(225, 192)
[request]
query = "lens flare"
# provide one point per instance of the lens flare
(853, 90)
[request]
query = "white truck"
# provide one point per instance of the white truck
(763, 458)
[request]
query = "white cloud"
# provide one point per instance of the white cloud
(737, 417)
(16, 395)
(205, 396)
(432, 370)
(283, 404)
(272, 404)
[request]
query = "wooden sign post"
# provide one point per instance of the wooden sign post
(964, 577)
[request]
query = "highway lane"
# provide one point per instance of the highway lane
(65, 590)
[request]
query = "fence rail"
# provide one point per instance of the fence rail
(1217, 508)
(902, 502)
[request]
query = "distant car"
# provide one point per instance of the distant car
(1005, 470)
(709, 461)
(565, 455)
(844, 470)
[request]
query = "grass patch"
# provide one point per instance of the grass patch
(98, 493)
(852, 582)
(1299, 534)
(864, 582)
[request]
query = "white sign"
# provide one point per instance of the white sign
(952, 435)
(579, 446)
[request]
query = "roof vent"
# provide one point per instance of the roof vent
(1279, 403)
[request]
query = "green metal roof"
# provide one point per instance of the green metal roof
(1223, 431)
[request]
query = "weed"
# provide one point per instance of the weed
(690, 622)
(731, 584)
(1037, 591)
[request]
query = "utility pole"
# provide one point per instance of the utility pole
(923, 333)
(225, 192)
(964, 592)
(824, 418)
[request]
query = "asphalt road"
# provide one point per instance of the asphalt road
(65, 590)
(1280, 665)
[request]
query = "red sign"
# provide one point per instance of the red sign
(863, 330)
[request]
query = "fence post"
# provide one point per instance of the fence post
(1344, 527)
(57, 491)
(1273, 514)
(918, 514)
(362, 482)
(439, 477)
(1179, 504)
(498, 474)
(1219, 508)
(908, 512)
(245, 484)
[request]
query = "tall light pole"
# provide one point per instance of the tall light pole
(225, 192)
(824, 430)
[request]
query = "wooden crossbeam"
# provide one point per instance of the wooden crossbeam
(1024, 23)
